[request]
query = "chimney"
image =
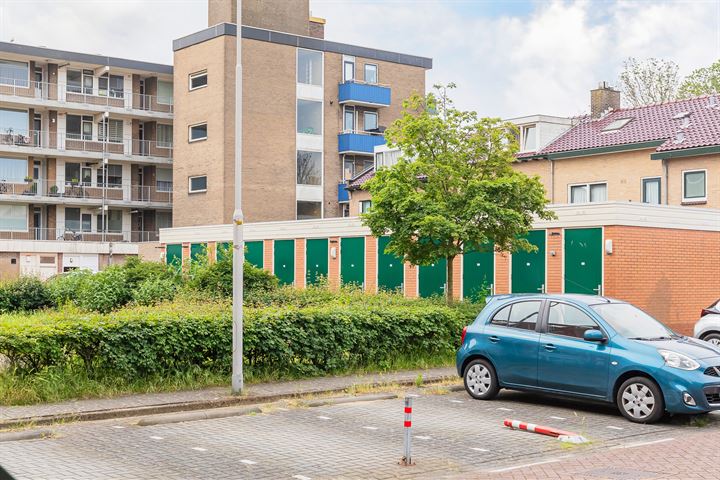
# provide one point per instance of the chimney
(289, 16)
(602, 99)
(222, 11)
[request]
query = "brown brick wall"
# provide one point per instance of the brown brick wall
(554, 262)
(457, 277)
(268, 255)
(371, 246)
(411, 280)
(502, 273)
(9, 270)
(334, 263)
(300, 262)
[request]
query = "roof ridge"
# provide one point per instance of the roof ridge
(667, 102)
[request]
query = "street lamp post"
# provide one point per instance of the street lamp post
(238, 244)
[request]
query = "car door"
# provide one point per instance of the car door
(511, 341)
(567, 362)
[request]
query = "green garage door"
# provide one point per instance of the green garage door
(432, 278)
(316, 260)
(284, 261)
(528, 269)
(583, 260)
(197, 250)
(254, 253)
(390, 268)
(352, 260)
(173, 255)
(478, 272)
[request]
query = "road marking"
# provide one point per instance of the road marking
(479, 449)
(118, 426)
(456, 401)
(301, 477)
(200, 449)
(642, 444)
(283, 409)
(248, 462)
(503, 409)
(323, 417)
(612, 427)
(558, 418)
(370, 428)
(422, 437)
(414, 395)
(155, 437)
(516, 467)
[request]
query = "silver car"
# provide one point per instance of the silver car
(708, 327)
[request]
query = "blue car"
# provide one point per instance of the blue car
(588, 347)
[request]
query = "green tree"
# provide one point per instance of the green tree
(703, 81)
(454, 187)
(652, 80)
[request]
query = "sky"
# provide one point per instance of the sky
(508, 58)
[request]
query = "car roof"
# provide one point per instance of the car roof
(572, 297)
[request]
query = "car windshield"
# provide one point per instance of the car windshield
(632, 323)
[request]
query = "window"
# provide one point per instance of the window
(114, 221)
(348, 70)
(14, 122)
(365, 206)
(502, 316)
(113, 83)
(616, 125)
(164, 92)
(14, 73)
(349, 119)
(198, 132)
(74, 81)
(86, 222)
(570, 321)
(72, 173)
(694, 185)
(13, 217)
(522, 315)
(72, 219)
(309, 168)
(197, 184)
(13, 169)
(79, 127)
(198, 80)
(529, 138)
(163, 180)
(309, 117)
(371, 73)
(594, 192)
(163, 220)
(309, 67)
(114, 176)
(309, 210)
(370, 121)
(116, 130)
(164, 136)
(651, 190)
(387, 158)
(86, 176)
(353, 165)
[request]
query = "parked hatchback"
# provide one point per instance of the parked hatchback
(588, 347)
(708, 327)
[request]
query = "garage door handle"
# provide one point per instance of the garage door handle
(494, 339)
(550, 347)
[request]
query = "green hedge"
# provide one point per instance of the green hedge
(286, 341)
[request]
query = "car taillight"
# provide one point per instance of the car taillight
(705, 311)
(462, 338)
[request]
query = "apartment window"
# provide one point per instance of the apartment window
(163, 179)
(14, 73)
(86, 176)
(694, 185)
(72, 219)
(13, 169)
(80, 81)
(79, 127)
(651, 190)
(309, 210)
(309, 168)
(114, 176)
(197, 184)
(349, 119)
(387, 158)
(529, 140)
(14, 122)
(365, 206)
(72, 173)
(370, 121)
(114, 84)
(164, 92)
(309, 67)
(86, 222)
(371, 73)
(198, 80)
(13, 217)
(114, 221)
(163, 220)
(309, 117)
(198, 132)
(594, 192)
(164, 136)
(353, 165)
(348, 70)
(116, 130)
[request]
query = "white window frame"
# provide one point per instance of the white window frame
(361, 206)
(377, 120)
(159, 144)
(192, 76)
(377, 73)
(190, 127)
(642, 189)
(190, 179)
(694, 199)
(322, 67)
(587, 187)
(157, 95)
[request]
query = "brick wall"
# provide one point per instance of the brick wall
(268, 255)
(371, 246)
(300, 262)
(8, 269)
(554, 270)
(334, 263)
(502, 273)
(411, 280)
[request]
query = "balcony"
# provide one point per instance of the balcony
(71, 235)
(343, 194)
(364, 94)
(362, 143)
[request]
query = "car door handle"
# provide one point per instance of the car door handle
(494, 339)
(550, 347)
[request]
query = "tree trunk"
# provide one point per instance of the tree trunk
(449, 268)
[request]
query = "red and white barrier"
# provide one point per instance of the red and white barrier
(561, 435)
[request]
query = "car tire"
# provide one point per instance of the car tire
(640, 400)
(481, 381)
(713, 338)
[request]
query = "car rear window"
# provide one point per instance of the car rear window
(522, 315)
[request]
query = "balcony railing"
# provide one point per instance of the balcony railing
(85, 143)
(69, 189)
(359, 142)
(360, 93)
(63, 92)
(73, 235)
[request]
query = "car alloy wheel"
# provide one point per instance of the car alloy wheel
(480, 380)
(713, 339)
(640, 400)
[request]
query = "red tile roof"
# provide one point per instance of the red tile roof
(359, 180)
(659, 122)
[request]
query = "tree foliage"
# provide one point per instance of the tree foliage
(703, 81)
(649, 81)
(453, 188)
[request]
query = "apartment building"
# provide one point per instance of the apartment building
(313, 110)
(86, 151)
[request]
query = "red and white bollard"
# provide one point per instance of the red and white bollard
(561, 435)
(407, 458)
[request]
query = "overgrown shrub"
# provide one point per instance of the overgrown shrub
(154, 290)
(216, 278)
(24, 294)
(137, 271)
(105, 290)
(64, 288)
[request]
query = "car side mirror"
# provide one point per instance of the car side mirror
(593, 335)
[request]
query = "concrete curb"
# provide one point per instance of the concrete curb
(24, 435)
(227, 401)
(194, 416)
(340, 400)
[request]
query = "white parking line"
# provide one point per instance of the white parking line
(321, 417)
(200, 449)
(155, 437)
(414, 395)
(118, 426)
(301, 477)
(558, 418)
(456, 401)
(503, 409)
(479, 449)
(421, 437)
(248, 462)
(370, 428)
(642, 444)
(516, 467)
(613, 427)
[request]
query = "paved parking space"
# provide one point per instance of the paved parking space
(454, 437)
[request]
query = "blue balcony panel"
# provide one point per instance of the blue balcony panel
(364, 94)
(343, 194)
(359, 142)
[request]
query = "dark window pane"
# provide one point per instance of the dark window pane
(570, 321)
(524, 315)
(502, 316)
